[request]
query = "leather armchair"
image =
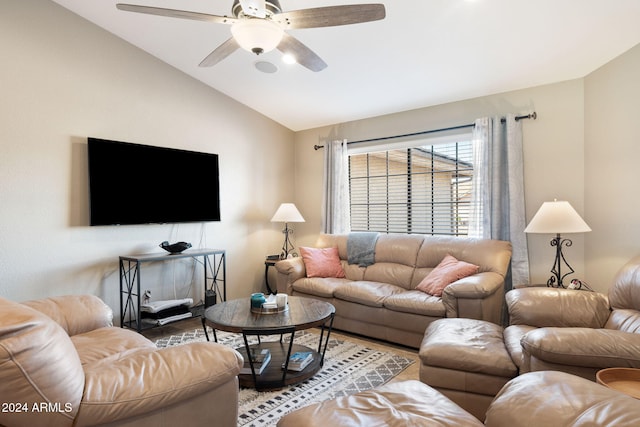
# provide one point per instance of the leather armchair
(576, 331)
(62, 363)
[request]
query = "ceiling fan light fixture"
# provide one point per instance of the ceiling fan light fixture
(257, 35)
(289, 58)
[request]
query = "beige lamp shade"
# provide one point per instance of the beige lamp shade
(287, 212)
(557, 217)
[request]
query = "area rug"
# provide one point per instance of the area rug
(348, 368)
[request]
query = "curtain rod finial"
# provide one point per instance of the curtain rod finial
(317, 147)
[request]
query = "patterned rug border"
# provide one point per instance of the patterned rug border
(349, 367)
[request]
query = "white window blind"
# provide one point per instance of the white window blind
(423, 189)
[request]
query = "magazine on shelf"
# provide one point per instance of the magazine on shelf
(299, 360)
(260, 361)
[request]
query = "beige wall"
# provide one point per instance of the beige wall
(583, 148)
(64, 79)
(612, 171)
(553, 151)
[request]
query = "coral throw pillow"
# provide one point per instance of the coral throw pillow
(448, 271)
(322, 262)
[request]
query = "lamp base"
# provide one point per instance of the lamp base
(555, 281)
(287, 246)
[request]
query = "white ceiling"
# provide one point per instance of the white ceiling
(425, 52)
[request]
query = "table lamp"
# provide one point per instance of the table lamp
(287, 212)
(557, 217)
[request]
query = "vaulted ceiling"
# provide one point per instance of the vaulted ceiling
(425, 52)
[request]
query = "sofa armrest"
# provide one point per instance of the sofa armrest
(289, 270)
(476, 286)
(76, 314)
(478, 296)
(586, 347)
(552, 307)
(147, 380)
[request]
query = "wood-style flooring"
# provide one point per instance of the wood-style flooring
(411, 373)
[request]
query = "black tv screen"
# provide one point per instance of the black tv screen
(142, 184)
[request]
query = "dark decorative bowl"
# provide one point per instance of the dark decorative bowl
(175, 248)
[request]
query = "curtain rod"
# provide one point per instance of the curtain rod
(533, 116)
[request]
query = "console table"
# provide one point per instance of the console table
(214, 267)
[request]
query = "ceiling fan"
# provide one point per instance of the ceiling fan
(259, 26)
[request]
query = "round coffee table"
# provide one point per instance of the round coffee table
(302, 313)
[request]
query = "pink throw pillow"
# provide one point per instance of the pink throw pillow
(448, 271)
(322, 262)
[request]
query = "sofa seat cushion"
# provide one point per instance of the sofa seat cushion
(149, 379)
(467, 345)
(319, 286)
(399, 404)
(416, 302)
(105, 345)
(371, 294)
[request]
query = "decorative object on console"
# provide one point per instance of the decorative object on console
(175, 248)
(557, 217)
(287, 212)
(257, 300)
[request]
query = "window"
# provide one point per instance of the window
(424, 189)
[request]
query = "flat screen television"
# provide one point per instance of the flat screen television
(142, 184)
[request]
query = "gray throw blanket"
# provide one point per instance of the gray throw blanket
(361, 248)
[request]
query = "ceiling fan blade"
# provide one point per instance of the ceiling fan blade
(253, 8)
(172, 13)
(220, 53)
(331, 16)
(303, 55)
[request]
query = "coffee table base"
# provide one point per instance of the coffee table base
(304, 313)
(272, 376)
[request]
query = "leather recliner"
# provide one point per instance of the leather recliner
(576, 331)
(62, 363)
(572, 331)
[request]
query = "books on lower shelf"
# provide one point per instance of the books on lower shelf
(260, 361)
(299, 360)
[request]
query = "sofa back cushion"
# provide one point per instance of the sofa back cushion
(395, 259)
(76, 314)
(488, 255)
(553, 307)
(351, 271)
(38, 366)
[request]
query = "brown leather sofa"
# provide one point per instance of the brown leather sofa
(62, 363)
(572, 331)
(380, 301)
(535, 399)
